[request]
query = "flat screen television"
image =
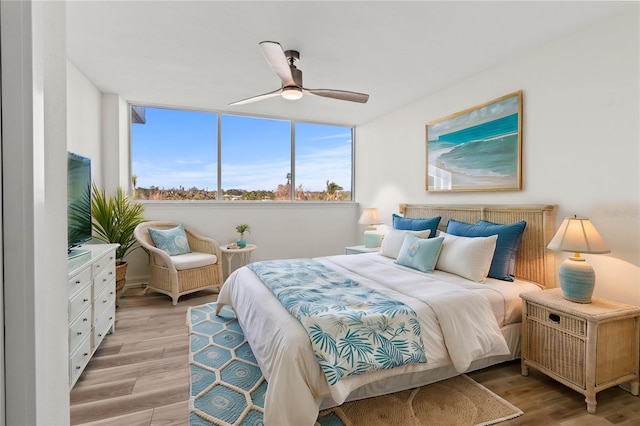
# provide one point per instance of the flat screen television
(78, 203)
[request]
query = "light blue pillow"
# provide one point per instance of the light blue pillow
(418, 253)
(507, 245)
(409, 224)
(173, 241)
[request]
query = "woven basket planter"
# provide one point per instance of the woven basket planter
(121, 280)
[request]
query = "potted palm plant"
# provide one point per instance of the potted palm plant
(114, 219)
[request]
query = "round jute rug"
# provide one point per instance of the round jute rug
(456, 401)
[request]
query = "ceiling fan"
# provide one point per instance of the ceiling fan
(283, 63)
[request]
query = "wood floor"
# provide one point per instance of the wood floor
(139, 376)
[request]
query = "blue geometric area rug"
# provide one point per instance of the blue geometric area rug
(227, 386)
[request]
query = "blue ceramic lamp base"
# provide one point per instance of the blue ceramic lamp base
(577, 280)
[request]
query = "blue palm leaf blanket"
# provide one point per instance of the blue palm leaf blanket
(353, 329)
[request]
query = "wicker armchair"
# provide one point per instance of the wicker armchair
(186, 273)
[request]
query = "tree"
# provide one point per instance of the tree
(332, 190)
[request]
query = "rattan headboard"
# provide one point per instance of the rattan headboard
(534, 262)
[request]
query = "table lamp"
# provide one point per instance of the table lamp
(577, 278)
(372, 237)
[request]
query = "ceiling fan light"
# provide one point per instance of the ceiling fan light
(292, 93)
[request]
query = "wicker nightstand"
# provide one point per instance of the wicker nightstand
(587, 347)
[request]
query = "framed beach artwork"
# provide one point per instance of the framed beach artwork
(478, 149)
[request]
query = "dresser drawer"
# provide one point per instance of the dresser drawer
(104, 278)
(79, 330)
(558, 320)
(79, 360)
(104, 324)
(102, 302)
(79, 280)
(102, 263)
(79, 303)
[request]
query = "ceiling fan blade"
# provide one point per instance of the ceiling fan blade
(257, 98)
(342, 95)
(277, 60)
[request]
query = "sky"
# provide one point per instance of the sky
(178, 148)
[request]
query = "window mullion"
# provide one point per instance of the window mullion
(292, 190)
(219, 165)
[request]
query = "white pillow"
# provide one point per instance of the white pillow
(393, 239)
(468, 257)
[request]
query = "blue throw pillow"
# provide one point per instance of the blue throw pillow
(507, 245)
(408, 224)
(418, 253)
(173, 241)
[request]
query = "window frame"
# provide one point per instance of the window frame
(218, 142)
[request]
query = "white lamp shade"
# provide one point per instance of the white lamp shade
(370, 216)
(578, 235)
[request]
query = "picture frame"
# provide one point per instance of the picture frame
(478, 149)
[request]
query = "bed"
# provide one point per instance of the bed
(297, 386)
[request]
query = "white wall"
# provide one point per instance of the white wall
(84, 109)
(580, 142)
(281, 230)
(34, 95)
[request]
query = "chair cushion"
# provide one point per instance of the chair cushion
(193, 260)
(173, 240)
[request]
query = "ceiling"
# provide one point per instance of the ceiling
(205, 54)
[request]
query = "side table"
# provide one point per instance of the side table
(245, 254)
(360, 249)
(587, 347)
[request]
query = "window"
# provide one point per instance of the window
(183, 155)
(323, 162)
(256, 158)
(174, 155)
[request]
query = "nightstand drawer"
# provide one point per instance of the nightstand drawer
(558, 320)
(556, 350)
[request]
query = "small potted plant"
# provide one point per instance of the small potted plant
(241, 229)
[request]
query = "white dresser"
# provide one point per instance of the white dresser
(92, 303)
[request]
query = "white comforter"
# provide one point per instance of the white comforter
(460, 323)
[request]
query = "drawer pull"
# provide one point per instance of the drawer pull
(85, 354)
(104, 279)
(78, 367)
(85, 300)
(554, 318)
(84, 320)
(77, 281)
(110, 273)
(79, 333)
